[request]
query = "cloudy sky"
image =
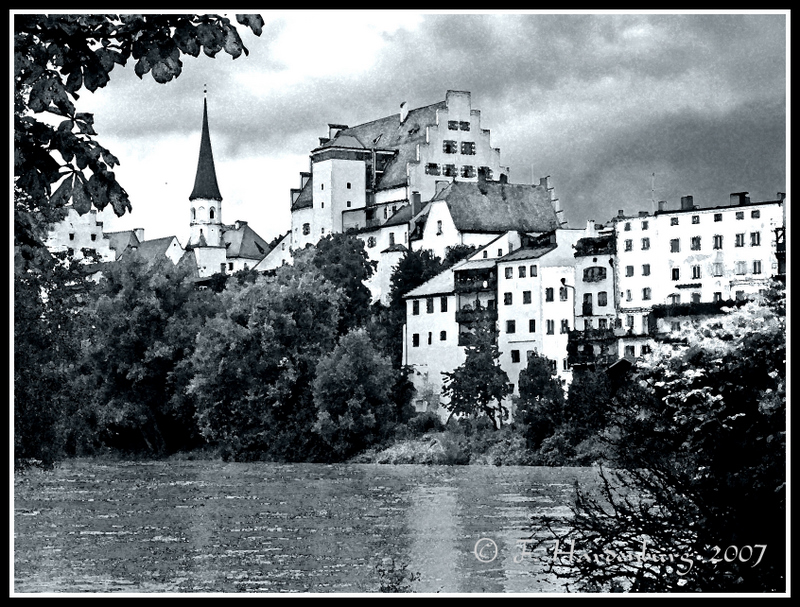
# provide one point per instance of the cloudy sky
(599, 102)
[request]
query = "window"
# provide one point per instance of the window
(534, 271)
(415, 307)
(645, 244)
(230, 265)
(717, 216)
(499, 252)
(509, 272)
(675, 245)
(442, 335)
(511, 326)
(507, 299)
(695, 218)
(551, 327)
(468, 171)
(628, 296)
(93, 237)
(72, 236)
(716, 269)
(321, 186)
(463, 125)
(630, 351)
(306, 229)
(717, 296)
(629, 245)
(443, 303)
(532, 325)
(695, 272)
(756, 267)
(676, 273)
(439, 227)
(449, 170)
(468, 147)
(371, 242)
(627, 226)
(526, 297)
(739, 295)
(675, 299)
(755, 239)
(594, 274)
(432, 169)
(429, 305)
(391, 239)
(522, 271)
(452, 125)
(739, 240)
(696, 298)
(695, 246)
(645, 225)
(415, 340)
(562, 293)
(646, 293)
(349, 204)
(718, 241)
(488, 172)
(514, 356)
(629, 320)
(673, 221)
(628, 270)
(755, 214)
(602, 323)
(430, 338)
(565, 326)
(548, 294)
(587, 323)
(739, 214)
(602, 298)
(676, 326)
(485, 254)
(646, 269)
(348, 185)
(449, 146)
(211, 213)
(741, 267)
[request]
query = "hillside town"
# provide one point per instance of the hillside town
(429, 178)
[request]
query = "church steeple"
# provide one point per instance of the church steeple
(205, 225)
(205, 182)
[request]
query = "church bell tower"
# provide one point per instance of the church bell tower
(205, 199)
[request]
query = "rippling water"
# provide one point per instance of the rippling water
(192, 526)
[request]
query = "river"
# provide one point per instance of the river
(211, 526)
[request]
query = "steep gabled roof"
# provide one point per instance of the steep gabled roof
(205, 181)
(119, 241)
(306, 196)
(244, 242)
(390, 134)
(494, 206)
(151, 250)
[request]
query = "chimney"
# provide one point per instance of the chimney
(738, 198)
(139, 232)
(403, 112)
(687, 203)
(415, 203)
(662, 205)
(590, 227)
(781, 196)
(621, 213)
(239, 224)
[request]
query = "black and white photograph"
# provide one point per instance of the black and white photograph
(429, 303)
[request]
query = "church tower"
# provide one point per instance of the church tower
(206, 201)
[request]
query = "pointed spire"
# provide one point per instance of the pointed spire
(205, 182)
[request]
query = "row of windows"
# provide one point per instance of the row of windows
(455, 125)
(415, 338)
(645, 270)
(451, 147)
(717, 269)
(93, 237)
(515, 358)
(429, 305)
(755, 214)
(511, 326)
(549, 295)
(451, 170)
(522, 271)
(695, 242)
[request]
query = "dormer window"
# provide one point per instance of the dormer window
(439, 227)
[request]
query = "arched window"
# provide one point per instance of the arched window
(194, 214)
(201, 213)
(211, 213)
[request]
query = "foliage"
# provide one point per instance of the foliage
(352, 393)
(144, 320)
(254, 365)
(539, 410)
(479, 385)
(700, 437)
(55, 56)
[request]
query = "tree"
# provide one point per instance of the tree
(479, 385)
(55, 56)
(254, 365)
(353, 395)
(699, 437)
(540, 407)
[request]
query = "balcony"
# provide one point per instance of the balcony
(475, 285)
(469, 315)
